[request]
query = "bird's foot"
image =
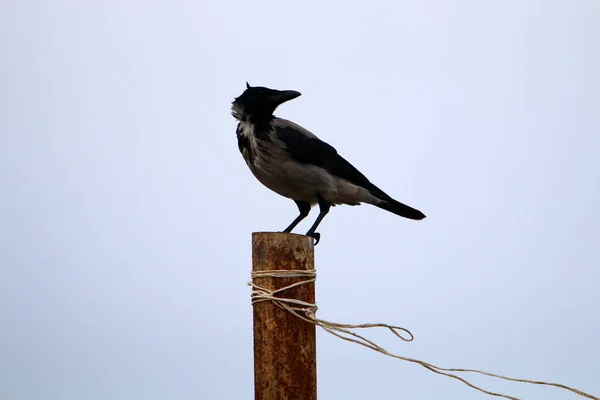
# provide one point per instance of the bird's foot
(316, 236)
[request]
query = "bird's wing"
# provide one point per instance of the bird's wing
(305, 147)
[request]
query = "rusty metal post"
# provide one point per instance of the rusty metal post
(285, 357)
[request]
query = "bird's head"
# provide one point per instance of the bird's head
(258, 103)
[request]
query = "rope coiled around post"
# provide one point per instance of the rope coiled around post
(307, 312)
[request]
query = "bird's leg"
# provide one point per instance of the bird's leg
(304, 208)
(324, 207)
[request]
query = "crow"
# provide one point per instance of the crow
(294, 163)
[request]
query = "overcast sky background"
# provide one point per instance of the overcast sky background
(126, 209)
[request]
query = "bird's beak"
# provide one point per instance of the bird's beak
(284, 95)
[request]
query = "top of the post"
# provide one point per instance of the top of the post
(279, 250)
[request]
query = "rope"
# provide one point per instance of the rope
(306, 312)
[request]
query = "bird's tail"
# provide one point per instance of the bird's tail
(400, 209)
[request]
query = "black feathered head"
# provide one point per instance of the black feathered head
(258, 103)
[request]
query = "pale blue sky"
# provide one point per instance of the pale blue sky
(126, 209)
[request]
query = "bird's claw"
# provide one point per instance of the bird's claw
(316, 236)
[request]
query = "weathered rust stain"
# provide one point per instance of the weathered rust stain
(284, 346)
